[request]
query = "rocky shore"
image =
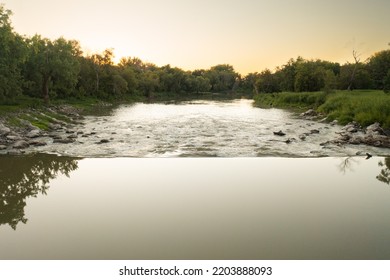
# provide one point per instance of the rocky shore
(353, 133)
(32, 127)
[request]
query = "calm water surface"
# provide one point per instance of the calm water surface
(55, 207)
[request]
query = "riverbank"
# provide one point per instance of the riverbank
(29, 123)
(362, 106)
(365, 113)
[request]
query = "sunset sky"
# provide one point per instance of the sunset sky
(251, 35)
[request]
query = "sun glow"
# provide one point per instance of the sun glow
(250, 35)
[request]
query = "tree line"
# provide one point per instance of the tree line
(302, 75)
(58, 69)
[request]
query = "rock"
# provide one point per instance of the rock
(334, 122)
(352, 129)
(21, 144)
(279, 133)
(4, 130)
(302, 137)
(33, 133)
(377, 140)
(37, 143)
(3, 147)
(72, 136)
(314, 131)
(103, 141)
(27, 124)
(375, 128)
(14, 137)
(63, 140)
(54, 126)
(355, 140)
(289, 140)
(325, 143)
(309, 113)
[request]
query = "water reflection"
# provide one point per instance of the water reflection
(27, 176)
(384, 175)
(348, 163)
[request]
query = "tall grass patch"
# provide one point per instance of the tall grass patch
(364, 107)
(298, 100)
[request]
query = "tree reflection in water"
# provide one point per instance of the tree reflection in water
(27, 176)
(384, 176)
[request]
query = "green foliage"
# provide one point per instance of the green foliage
(300, 100)
(386, 83)
(52, 68)
(362, 78)
(365, 107)
(12, 56)
(222, 78)
(379, 65)
(267, 82)
(330, 82)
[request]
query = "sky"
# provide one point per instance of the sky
(251, 35)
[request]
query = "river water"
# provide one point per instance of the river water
(196, 180)
(194, 208)
(203, 129)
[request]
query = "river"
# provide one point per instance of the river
(196, 180)
(203, 129)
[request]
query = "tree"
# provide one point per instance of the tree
(309, 77)
(249, 82)
(386, 83)
(13, 53)
(101, 62)
(222, 77)
(286, 74)
(266, 82)
(330, 81)
(362, 78)
(379, 65)
(357, 60)
(310, 74)
(52, 67)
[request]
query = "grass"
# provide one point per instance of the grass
(32, 110)
(363, 106)
(290, 100)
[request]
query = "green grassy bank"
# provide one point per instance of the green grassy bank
(362, 106)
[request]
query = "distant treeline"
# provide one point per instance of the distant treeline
(47, 69)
